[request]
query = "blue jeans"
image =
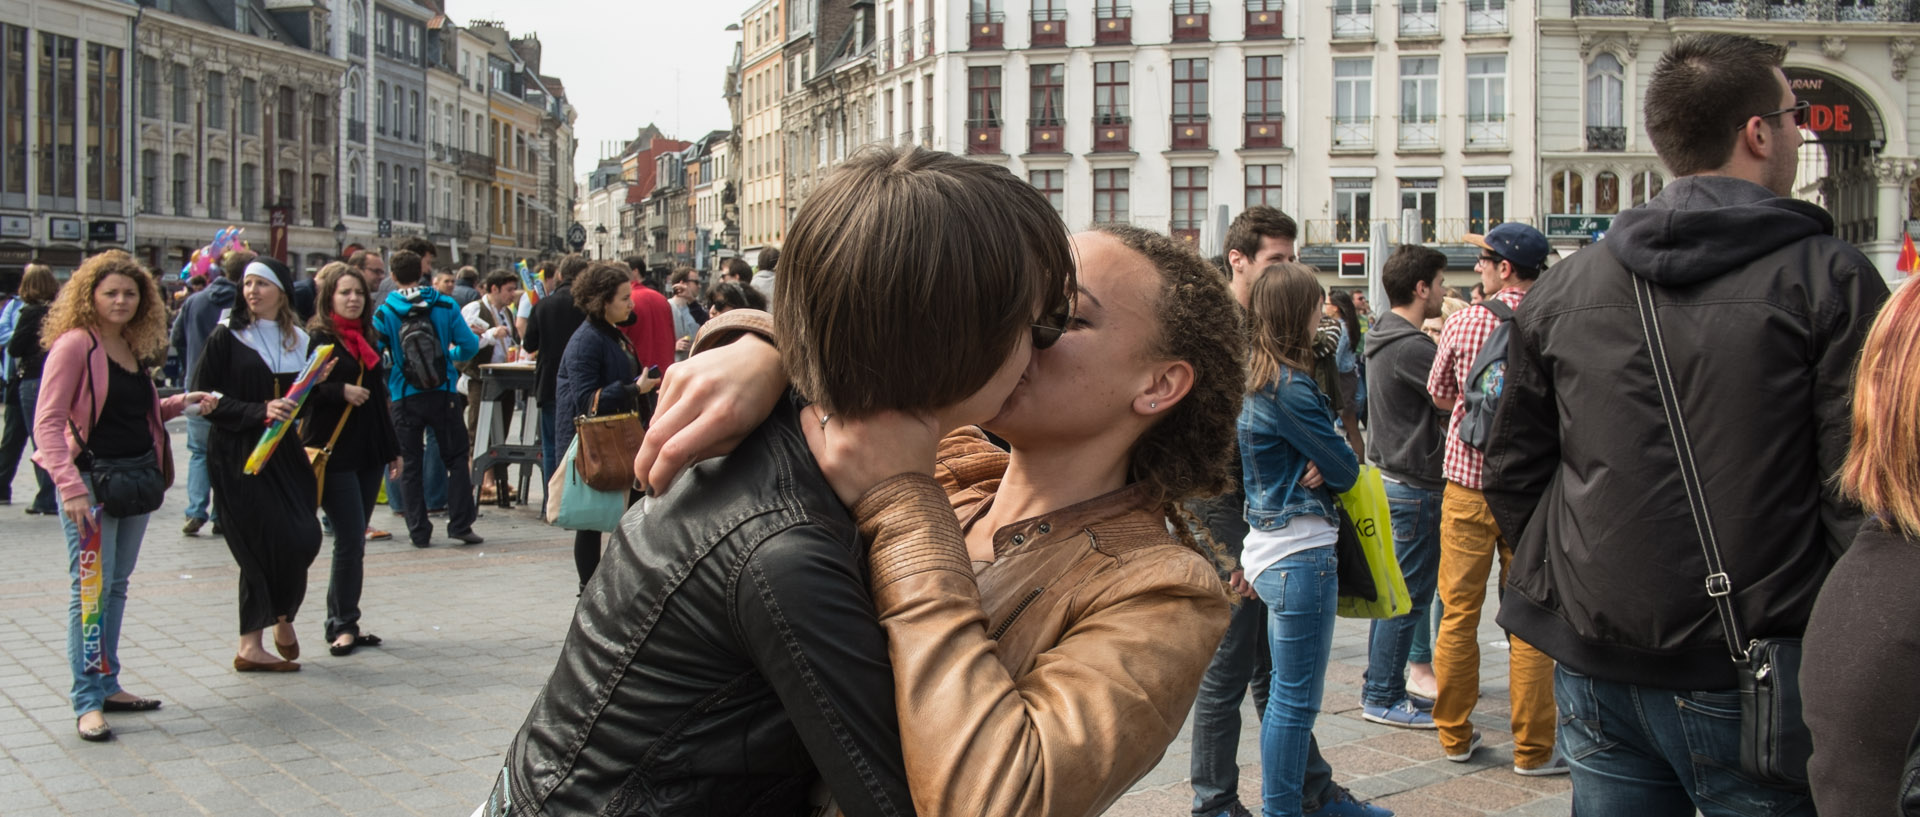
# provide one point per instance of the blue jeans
(1422, 650)
(45, 500)
(1242, 661)
(1301, 592)
(119, 550)
(1416, 541)
(1657, 752)
(198, 486)
(548, 456)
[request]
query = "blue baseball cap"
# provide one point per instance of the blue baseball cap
(1519, 243)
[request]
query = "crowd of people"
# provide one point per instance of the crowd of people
(987, 558)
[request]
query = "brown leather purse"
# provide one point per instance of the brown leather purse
(608, 446)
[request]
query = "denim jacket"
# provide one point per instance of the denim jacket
(1283, 427)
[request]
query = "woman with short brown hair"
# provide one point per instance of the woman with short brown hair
(37, 290)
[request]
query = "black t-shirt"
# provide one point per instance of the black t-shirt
(121, 430)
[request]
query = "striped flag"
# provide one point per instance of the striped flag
(1909, 260)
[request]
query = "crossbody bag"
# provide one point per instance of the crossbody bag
(318, 457)
(122, 486)
(1774, 742)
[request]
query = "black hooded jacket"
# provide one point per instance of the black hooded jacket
(1409, 434)
(1763, 312)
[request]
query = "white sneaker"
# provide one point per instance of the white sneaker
(1558, 765)
(1468, 754)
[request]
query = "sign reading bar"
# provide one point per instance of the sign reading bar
(1577, 226)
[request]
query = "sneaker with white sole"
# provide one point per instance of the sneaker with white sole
(1558, 765)
(1403, 714)
(1468, 754)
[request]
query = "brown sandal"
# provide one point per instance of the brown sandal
(243, 665)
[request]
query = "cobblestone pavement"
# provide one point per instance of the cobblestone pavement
(418, 725)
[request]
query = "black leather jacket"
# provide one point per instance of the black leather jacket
(725, 648)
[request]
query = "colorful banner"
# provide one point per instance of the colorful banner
(203, 259)
(319, 364)
(533, 284)
(278, 219)
(93, 651)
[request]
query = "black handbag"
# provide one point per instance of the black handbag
(1774, 742)
(1351, 569)
(122, 486)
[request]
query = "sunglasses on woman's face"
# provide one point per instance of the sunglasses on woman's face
(1047, 331)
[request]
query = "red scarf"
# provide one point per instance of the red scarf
(353, 335)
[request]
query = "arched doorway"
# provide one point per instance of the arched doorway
(1844, 136)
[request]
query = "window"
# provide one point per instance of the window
(1111, 93)
(286, 192)
(1352, 210)
(1353, 103)
(249, 192)
(1486, 16)
(182, 97)
(249, 106)
(1189, 91)
(1048, 94)
(322, 124)
(380, 190)
(399, 118)
(1487, 99)
(413, 115)
(1353, 19)
(180, 184)
(413, 194)
(149, 80)
(1606, 192)
(1110, 196)
(1263, 185)
(399, 194)
(1486, 204)
(1051, 184)
(149, 181)
(983, 97)
(1420, 196)
(13, 109)
(1189, 201)
(1264, 89)
(1420, 102)
(104, 127)
(57, 117)
(1564, 193)
(1419, 18)
(1606, 103)
(380, 31)
(216, 100)
(216, 188)
(413, 43)
(380, 108)
(287, 110)
(1646, 185)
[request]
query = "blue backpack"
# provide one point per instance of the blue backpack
(1486, 379)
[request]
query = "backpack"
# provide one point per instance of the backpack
(422, 354)
(1486, 379)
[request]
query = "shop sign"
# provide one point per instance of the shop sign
(64, 229)
(16, 227)
(1577, 226)
(1838, 109)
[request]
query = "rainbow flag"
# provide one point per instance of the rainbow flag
(93, 651)
(1909, 260)
(531, 282)
(318, 365)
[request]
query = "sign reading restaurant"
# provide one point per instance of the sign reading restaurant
(1838, 111)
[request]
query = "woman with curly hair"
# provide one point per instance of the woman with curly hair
(99, 424)
(352, 422)
(599, 363)
(1048, 643)
(252, 358)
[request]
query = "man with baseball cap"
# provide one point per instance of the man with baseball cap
(1511, 257)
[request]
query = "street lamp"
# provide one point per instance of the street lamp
(339, 238)
(600, 230)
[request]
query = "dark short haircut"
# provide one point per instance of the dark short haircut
(499, 278)
(444, 273)
(1705, 88)
(739, 268)
(469, 275)
(769, 258)
(404, 266)
(570, 267)
(1409, 267)
(901, 257)
(234, 264)
(637, 264)
(359, 260)
(419, 246)
(1256, 224)
(597, 286)
(681, 274)
(732, 295)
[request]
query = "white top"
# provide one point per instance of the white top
(501, 317)
(265, 339)
(1264, 548)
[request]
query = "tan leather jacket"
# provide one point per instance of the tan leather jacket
(1055, 678)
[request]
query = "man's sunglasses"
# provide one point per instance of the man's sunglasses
(1047, 331)
(1800, 111)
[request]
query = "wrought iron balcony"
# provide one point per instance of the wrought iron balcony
(1613, 8)
(1486, 16)
(1352, 21)
(1420, 19)
(1486, 131)
(1606, 137)
(1420, 132)
(1352, 133)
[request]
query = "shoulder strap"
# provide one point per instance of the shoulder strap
(337, 427)
(1499, 308)
(1719, 586)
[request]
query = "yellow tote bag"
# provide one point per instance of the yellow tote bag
(1366, 504)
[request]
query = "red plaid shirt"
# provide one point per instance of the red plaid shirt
(1460, 343)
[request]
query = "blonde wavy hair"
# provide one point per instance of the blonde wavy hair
(73, 307)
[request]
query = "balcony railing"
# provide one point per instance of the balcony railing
(357, 206)
(1263, 19)
(906, 138)
(1046, 135)
(1606, 137)
(1613, 8)
(439, 151)
(1486, 16)
(1112, 133)
(926, 136)
(1112, 25)
(356, 130)
(1265, 130)
(1420, 19)
(357, 45)
(1358, 230)
(983, 136)
(476, 164)
(1352, 21)
(1486, 131)
(1420, 132)
(1190, 21)
(987, 30)
(454, 228)
(317, 214)
(1848, 11)
(1048, 28)
(1190, 132)
(1352, 133)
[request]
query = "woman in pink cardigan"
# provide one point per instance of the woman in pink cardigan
(99, 417)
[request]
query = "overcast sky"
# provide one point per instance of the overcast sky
(627, 62)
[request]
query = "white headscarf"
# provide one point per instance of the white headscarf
(264, 336)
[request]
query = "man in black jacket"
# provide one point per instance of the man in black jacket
(552, 324)
(1409, 441)
(1761, 311)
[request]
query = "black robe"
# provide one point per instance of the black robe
(269, 518)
